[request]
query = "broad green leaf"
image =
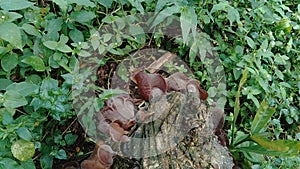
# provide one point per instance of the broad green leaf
(28, 164)
(187, 22)
(36, 62)
(164, 14)
(49, 84)
(24, 133)
(69, 78)
(87, 3)
(137, 4)
(63, 4)
(250, 42)
(23, 150)
(61, 154)
(83, 16)
(70, 138)
(9, 62)
(7, 118)
(222, 6)
(3, 50)
(105, 3)
(263, 115)
(138, 32)
(123, 72)
(7, 163)
(24, 88)
(10, 16)
(53, 26)
(13, 99)
(46, 161)
(63, 39)
(64, 48)
(15, 4)
(95, 40)
(83, 53)
(31, 30)
(10, 32)
(35, 79)
(233, 15)
(51, 44)
(63, 63)
(4, 83)
(133, 31)
(76, 35)
(161, 4)
(283, 146)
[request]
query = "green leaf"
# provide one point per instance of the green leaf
(23, 150)
(7, 118)
(76, 35)
(137, 4)
(10, 32)
(31, 30)
(24, 133)
(83, 16)
(64, 48)
(254, 99)
(164, 14)
(108, 93)
(53, 26)
(261, 150)
(161, 4)
(283, 146)
(7, 163)
(63, 39)
(87, 3)
(123, 72)
(51, 44)
(70, 138)
(9, 62)
(24, 88)
(105, 3)
(49, 84)
(15, 4)
(29, 164)
(237, 100)
(263, 115)
(63, 4)
(13, 99)
(61, 154)
(233, 15)
(4, 83)
(83, 53)
(222, 6)
(35, 79)
(46, 161)
(36, 62)
(188, 22)
(250, 42)
(11, 16)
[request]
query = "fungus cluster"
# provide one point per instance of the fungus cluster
(119, 113)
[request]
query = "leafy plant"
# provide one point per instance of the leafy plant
(42, 43)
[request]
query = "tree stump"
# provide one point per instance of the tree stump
(179, 134)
